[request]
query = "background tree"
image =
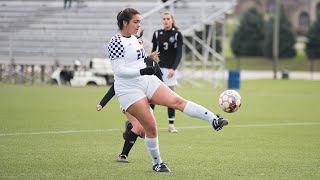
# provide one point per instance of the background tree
(248, 38)
(312, 48)
(287, 38)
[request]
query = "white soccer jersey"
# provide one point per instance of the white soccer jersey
(127, 56)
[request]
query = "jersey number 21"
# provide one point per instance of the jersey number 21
(140, 54)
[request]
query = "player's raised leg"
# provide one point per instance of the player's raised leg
(190, 108)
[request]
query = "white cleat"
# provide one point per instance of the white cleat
(122, 158)
(172, 130)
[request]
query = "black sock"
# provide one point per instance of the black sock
(129, 142)
(171, 113)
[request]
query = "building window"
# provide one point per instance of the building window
(304, 21)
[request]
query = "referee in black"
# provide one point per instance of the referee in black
(168, 41)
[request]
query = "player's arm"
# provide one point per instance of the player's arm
(154, 42)
(151, 62)
(179, 51)
(106, 98)
(121, 70)
(119, 67)
(158, 71)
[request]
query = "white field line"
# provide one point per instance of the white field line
(181, 127)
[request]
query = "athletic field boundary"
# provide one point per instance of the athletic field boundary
(178, 127)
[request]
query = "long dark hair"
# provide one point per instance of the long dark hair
(173, 21)
(125, 15)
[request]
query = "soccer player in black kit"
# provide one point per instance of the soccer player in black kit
(168, 42)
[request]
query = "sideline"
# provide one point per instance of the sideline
(181, 127)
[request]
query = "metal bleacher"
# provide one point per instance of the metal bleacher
(37, 32)
(42, 32)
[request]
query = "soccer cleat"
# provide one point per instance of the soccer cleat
(122, 158)
(219, 123)
(162, 167)
(128, 127)
(172, 130)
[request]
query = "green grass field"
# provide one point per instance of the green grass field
(50, 132)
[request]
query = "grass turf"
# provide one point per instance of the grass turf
(282, 151)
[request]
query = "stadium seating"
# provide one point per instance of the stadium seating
(42, 32)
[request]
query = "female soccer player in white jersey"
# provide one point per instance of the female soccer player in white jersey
(136, 86)
(133, 128)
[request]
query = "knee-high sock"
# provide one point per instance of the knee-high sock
(131, 138)
(171, 114)
(153, 148)
(195, 110)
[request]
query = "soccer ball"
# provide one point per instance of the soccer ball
(230, 101)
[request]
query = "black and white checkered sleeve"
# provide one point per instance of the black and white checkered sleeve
(115, 49)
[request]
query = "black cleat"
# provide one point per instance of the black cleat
(128, 127)
(122, 158)
(219, 123)
(162, 167)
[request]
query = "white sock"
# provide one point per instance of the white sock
(171, 125)
(195, 110)
(153, 148)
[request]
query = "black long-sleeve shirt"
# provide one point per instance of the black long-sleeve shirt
(169, 44)
(108, 96)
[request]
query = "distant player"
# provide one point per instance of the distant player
(168, 41)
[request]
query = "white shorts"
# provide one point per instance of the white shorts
(169, 81)
(132, 90)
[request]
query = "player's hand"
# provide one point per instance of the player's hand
(98, 107)
(171, 73)
(155, 56)
(150, 70)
